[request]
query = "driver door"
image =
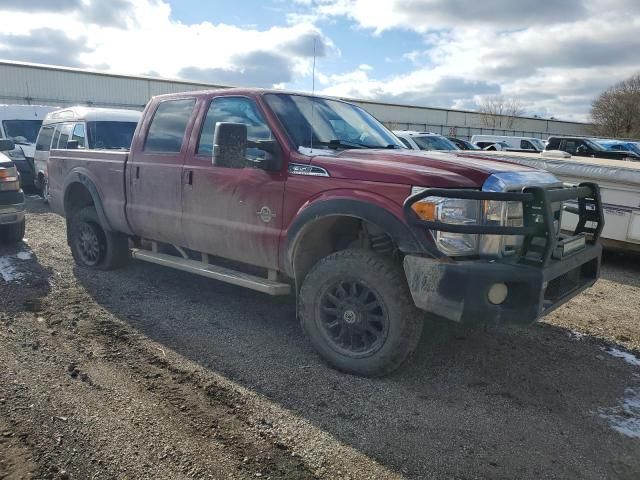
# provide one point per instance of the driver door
(234, 213)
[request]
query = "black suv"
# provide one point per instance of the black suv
(585, 147)
(11, 198)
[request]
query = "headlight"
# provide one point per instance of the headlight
(456, 211)
(16, 154)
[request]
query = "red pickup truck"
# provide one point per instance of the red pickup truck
(287, 193)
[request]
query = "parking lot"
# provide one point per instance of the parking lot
(148, 372)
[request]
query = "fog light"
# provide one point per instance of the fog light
(498, 293)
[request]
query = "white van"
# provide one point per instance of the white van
(82, 127)
(522, 144)
(21, 124)
(424, 140)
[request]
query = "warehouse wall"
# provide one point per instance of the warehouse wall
(22, 83)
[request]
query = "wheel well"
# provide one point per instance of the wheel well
(76, 197)
(334, 233)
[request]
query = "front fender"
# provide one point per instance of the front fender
(407, 238)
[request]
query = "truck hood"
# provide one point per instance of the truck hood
(414, 167)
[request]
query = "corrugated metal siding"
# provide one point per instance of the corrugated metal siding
(32, 84)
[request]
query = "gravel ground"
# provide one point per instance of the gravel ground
(147, 372)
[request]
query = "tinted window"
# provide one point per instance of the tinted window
(526, 145)
(168, 126)
(570, 146)
(112, 135)
(44, 139)
(404, 142)
(22, 131)
(434, 142)
(79, 135)
(236, 110)
(56, 136)
(65, 133)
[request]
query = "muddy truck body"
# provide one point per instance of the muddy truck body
(290, 194)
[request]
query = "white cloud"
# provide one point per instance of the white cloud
(147, 39)
(556, 59)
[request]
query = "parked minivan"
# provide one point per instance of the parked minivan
(528, 144)
(79, 128)
(21, 124)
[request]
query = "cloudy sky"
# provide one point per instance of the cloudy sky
(555, 56)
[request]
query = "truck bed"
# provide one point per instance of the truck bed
(106, 170)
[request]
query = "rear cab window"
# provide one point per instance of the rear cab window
(167, 130)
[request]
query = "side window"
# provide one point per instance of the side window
(236, 110)
(167, 128)
(405, 142)
(570, 146)
(43, 144)
(56, 136)
(526, 145)
(79, 135)
(65, 133)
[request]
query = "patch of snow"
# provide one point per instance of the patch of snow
(24, 255)
(625, 419)
(630, 358)
(8, 271)
(576, 335)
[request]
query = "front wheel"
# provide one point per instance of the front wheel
(356, 309)
(92, 246)
(13, 233)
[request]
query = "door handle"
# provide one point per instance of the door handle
(137, 173)
(189, 177)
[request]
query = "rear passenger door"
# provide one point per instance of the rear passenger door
(154, 173)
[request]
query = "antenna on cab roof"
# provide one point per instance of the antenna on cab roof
(313, 93)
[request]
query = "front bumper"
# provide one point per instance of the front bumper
(12, 207)
(459, 291)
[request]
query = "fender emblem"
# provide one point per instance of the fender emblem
(265, 214)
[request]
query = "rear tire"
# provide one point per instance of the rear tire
(94, 247)
(13, 233)
(356, 309)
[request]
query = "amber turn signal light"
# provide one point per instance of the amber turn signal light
(425, 210)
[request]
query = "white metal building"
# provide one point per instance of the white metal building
(25, 83)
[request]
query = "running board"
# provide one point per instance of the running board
(216, 272)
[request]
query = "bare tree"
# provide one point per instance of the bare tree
(499, 111)
(616, 111)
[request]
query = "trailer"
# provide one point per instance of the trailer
(619, 182)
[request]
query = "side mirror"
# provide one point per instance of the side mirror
(6, 145)
(230, 145)
(73, 144)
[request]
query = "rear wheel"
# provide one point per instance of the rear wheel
(356, 308)
(94, 247)
(13, 233)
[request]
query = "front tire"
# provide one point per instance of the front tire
(94, 247)
(356, 309)
(13, 233)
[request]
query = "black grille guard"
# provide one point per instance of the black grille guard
(537, 211)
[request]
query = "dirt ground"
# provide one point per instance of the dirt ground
(151, 373)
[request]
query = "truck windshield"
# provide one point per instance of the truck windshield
(22, 131)
(434, 142)
(111, 135)
(324, 123)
